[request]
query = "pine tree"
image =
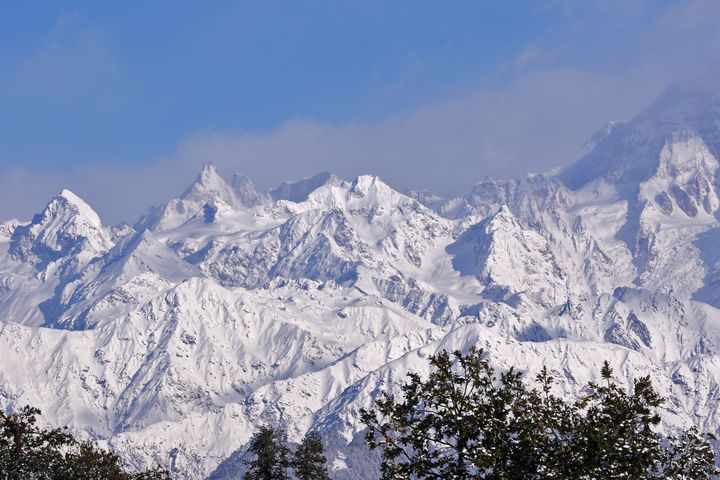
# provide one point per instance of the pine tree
(464, 422)
(309, 461)
(271, 455)
(87, 462)
(690, 457)
(542, 426)
(617, 432)
(28, 451)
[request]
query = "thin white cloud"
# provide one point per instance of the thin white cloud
(535, 122)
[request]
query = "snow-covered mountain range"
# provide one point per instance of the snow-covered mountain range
(228, 307)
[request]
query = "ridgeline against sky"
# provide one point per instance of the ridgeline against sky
(426, 94)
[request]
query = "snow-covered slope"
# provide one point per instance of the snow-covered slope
(208, 194)
(228, 307)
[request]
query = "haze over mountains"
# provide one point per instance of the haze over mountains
(228, 307)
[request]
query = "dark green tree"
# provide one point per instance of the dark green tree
(465, 422)
(85, 461)
(690, 456)
(271, 456)
(542, 431)
(309, 461)
(29, 452)
(617, 434)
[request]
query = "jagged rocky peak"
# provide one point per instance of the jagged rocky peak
(300, 190)
(664, 161)
(524, 196)
(426, 197)
(508, 192)
(247, 193)
(118, 232)
(371, 199)
(211, 186)
(365, 184)
(511, 259)
(630, 153)
(208, 186)
(208, 195)
(685, 181)
(67, 226)
(67, 201)
(371, 191)
(502, 222)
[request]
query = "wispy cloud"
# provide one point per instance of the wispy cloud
(445, 147)
(549, 103)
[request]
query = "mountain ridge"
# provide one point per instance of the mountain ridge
(228, 306)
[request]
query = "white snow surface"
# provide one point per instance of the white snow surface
(229, 307)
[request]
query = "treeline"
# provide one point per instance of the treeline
(272, 459)
(466, 422)
(29, 452)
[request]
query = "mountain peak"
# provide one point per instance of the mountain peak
(629, 153)
(69, 195)
(209, 169)
(299, 191)
(77, 203)
(364, 184)
(427, 198)
(365, 181)
(208, 173)
(209, 188)
(246, 191)
(209, 183)
(67, 226)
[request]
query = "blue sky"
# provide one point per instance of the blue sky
(108, 98)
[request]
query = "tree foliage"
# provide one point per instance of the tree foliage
(466, 422)
(617, 436)
(272, 459)
(309, 461)
(271, 456)
(30, 452)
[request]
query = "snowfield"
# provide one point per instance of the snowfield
(229, 307)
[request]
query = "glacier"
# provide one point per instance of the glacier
(228, 307)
